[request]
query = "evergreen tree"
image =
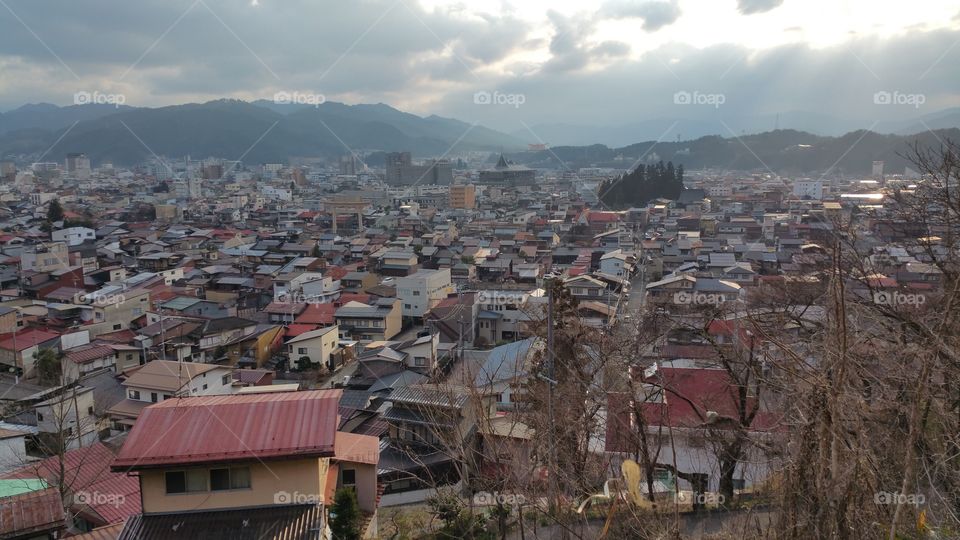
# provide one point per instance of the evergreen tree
(54, 211)
(345, 515)
(643, 184)
(48, 366)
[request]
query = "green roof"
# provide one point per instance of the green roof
(9, 488)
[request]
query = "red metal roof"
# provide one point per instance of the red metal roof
(214, 429)
(86, 470)
(27, 338)
(32, 512)
(317, 314)
(295, 330)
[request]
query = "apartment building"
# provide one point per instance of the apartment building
(422, 290)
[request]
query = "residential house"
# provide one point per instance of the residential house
(160, 380)
(319, 348)
(369, 322)
(247, 475)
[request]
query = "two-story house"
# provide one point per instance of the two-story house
(161, 380)
(317, 347)
(369, 322)
(258, 466)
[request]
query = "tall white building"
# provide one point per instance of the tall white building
(810, 189)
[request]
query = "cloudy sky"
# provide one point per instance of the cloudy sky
(601, 63)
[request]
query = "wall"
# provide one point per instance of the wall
(303, 479)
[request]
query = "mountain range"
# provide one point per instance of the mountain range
(784, 152)
(690, 128)
(264, 131)
(256, 132)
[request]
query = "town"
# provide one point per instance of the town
(293, 330)
(460, 269)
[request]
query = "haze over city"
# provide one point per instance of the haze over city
(432, 270)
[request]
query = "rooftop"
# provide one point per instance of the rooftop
(217, 429)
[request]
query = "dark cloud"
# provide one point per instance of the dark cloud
(432, 61)
(750, 7)
(572, 47)
(655, 14)
(827, 90)
(229, 47)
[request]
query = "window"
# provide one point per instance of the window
(90, 410)
(117, 326)
(153, 397)
(190, 481)
(39, 417)
(416, 293)
(232, 478)
(301, 350)
(419, 361)
(349, 478)
(225, 380)
(166, 396)
(134, 394)
(204, 387)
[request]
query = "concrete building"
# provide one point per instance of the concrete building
(463, 196)
(808, 189)
(73, 236)
(47, 257)
(400, 170)
(78, 166)
(422, 290)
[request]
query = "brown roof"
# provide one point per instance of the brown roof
(85, 354)
(127, 407)
(357, 448)
(110, 532)
(167, 375)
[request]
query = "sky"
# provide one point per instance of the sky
(509, 65)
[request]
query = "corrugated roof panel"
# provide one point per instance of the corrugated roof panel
(227, 428)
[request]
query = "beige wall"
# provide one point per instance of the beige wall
(300, 479)
(394, 321)
(366, 484)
